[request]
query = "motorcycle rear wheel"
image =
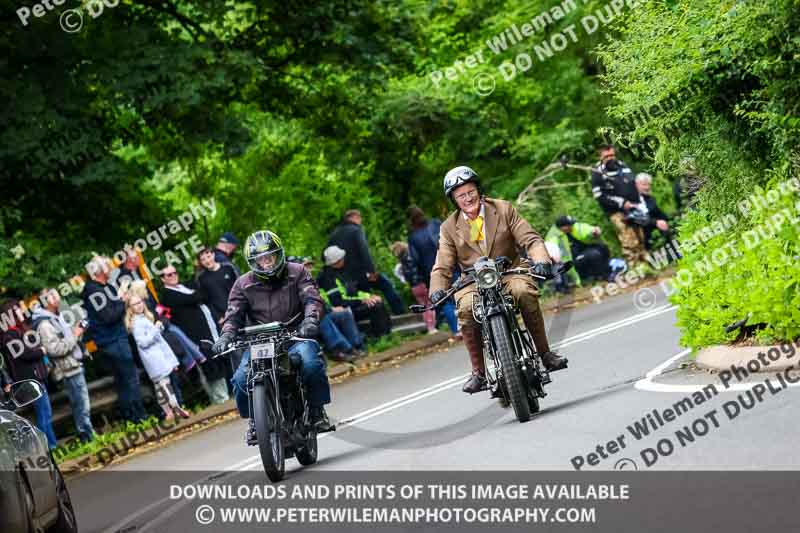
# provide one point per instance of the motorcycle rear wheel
(515, 386)
(270, 440)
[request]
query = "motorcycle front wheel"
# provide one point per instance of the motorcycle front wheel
(516, 388)
(270, 440)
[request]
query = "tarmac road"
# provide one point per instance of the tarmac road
(414, 417)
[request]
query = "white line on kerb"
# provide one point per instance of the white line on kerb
(646, 383)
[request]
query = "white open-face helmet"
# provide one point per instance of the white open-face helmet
(458, 177)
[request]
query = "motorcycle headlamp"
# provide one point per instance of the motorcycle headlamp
(487, 278)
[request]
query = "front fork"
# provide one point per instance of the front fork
(270, 379)
(495, 375)
(530, 362)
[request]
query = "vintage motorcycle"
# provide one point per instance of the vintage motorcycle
(516, 373)
(277, 399)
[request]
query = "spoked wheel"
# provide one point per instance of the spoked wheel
(516, 388)
(66, 522)
(268, 430)
(307, 453)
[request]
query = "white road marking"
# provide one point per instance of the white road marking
(646, 383)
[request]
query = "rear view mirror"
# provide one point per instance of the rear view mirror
(25, 392)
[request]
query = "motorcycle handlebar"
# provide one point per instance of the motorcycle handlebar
(240, 343)
(469, 279)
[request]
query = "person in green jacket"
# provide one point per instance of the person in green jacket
(580, 243)
(339, 289)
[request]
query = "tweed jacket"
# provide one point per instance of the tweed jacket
(506, 234)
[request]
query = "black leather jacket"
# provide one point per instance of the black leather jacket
(259, 301)
(611, 188)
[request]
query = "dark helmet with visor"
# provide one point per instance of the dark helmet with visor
(458, 177)
(265, 256)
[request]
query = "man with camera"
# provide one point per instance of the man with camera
(63, 346)
(614, 189)
(479, 227)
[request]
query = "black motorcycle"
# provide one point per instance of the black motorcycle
(516, 373)
(277, 399)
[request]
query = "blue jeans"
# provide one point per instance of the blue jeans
(339, 332)
(176, 387)
(44, 417)
(448, 311)
(312, 372)
(126, 377)
(384, 285)
(192, 354)
(78, 393)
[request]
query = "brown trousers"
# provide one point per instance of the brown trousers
(631, 238)
(526, 296)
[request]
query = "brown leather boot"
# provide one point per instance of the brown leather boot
(534, 321)
(552, 361)
(474, 343)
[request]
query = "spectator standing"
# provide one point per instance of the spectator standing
(190, 313)
(614, 189)
(187, 352)
(407, 272)
(27, 362)
(342, 291)
(105, 308)
(349, 236)
(226, 247)
(63, 347)
(216, 280)
(423, 243)
(580, 243)
(158, 359)
(128, 272)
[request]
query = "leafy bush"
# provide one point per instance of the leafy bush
(720, 284)
(721, 82)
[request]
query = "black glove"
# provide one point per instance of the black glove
(222, 342)
(309, 328)
(544, 270)
(438, 296)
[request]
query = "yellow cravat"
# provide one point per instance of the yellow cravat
(476, 229)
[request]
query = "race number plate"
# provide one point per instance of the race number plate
(263, 351)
